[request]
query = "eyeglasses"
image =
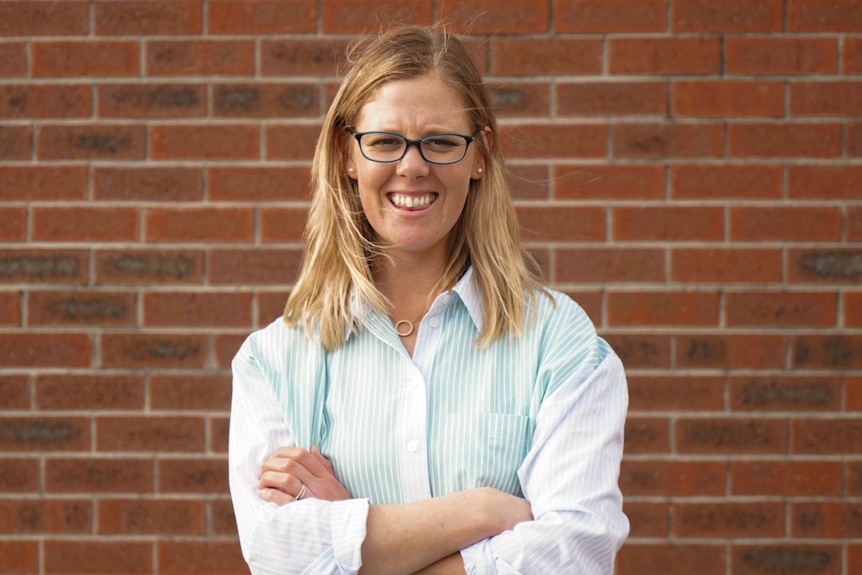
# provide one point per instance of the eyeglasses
(386, 147)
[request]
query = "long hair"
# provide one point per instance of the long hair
(340, 251)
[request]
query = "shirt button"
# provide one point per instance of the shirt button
(412, 446)
(434, 321)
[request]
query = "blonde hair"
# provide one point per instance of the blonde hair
(340, 252)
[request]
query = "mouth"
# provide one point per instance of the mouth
(411, 202)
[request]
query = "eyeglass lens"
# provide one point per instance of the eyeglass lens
(437, 149)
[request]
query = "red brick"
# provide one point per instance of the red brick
(141, 267)
(647, 519)
(489, 17)
(92, 308)
(151, 517)
(10, 306)
(656, 141)
(544, 56)
(15, 143)
(843, 98)
(609, 265)
(254, 266)
(31, 183)
(152, 101)
(66, 18)
(641, 350)
(69, 59)
(258, 183)
(84, 224)
(226, 347)
(199, 224)
(147, 17)
(555, 140)
(675, 393)
(611, 98)
(293, 142)
(282, 224)
(741, 16)
(44, 266)
(270, 305)
(154, 350)
(731, 436)
(520, 99)
(662, 309)
(303, 57)
(197, 475)
(853, 477)
(824, 15)
(13, 59)
(852, 57)
(148, 184)
(780, 55)
(824, 182)
(14, 394)
(797, 558)
(827, 351)
(261, 16)
(728, 519)
(609, 16)
(19, 557)
(35, 433)
(722, 99)
(647, 435)
(19, 475)
(90, 556)
(200, 558)
(200, 58)
(781, 309)
(259, 100)
(833, 436)
(784, 393)
(219, 434)
(726, 265)
(853, 308)
(672, 478)
(827, 520)
(854, 558)
(40, 516)
(671, 559)
(190, 392)
(668, 224)
(811, 478)
(853, 137)
(14, 227)
(562, 223)
(829, 265)
(664, 56)
(170, 433)
(90, 392)
(98, 475)
(186, 309)
(726, 181)
(43, 350)
(19, 101)
(785, 224)
(92, 142)
(222, 520)
(784, 140)
(609, 181)
(732, 351)
(205, 142)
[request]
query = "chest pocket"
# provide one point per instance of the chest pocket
(481, 450)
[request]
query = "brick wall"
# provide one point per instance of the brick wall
(690, 170)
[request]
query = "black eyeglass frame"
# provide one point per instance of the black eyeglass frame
(417, 143)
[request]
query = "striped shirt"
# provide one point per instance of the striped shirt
(540, 416)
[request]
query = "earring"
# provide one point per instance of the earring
(479, 171)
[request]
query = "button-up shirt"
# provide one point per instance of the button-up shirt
(540, 416)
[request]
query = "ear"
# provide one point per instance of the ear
(479, 163)
(349, 164)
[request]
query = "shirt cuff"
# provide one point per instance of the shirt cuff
(348, 522)
(478, 559)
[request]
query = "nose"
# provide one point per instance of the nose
(412, 165)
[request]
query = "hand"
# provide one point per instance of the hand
(290, 468)
(505, 510)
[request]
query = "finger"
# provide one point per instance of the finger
(282, 481)
(302, 457)
(323, 460)
(276, 496)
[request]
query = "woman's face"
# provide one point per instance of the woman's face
(411, 204)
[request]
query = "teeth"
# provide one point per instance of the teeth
(402, 201)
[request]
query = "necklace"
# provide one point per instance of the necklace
(403, 327)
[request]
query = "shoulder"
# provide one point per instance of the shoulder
(275, 344)
(566, 330)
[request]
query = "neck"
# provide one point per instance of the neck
(409, 285)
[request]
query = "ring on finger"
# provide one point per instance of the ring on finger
(301, 493)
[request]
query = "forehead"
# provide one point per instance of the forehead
(425, 102)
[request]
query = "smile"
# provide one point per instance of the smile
(411, 202)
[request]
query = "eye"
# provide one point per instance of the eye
(442, 143)
(382, 141)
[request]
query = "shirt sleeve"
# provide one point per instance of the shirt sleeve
(309, 536)
(571, 478)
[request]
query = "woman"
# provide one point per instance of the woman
(425, 405)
